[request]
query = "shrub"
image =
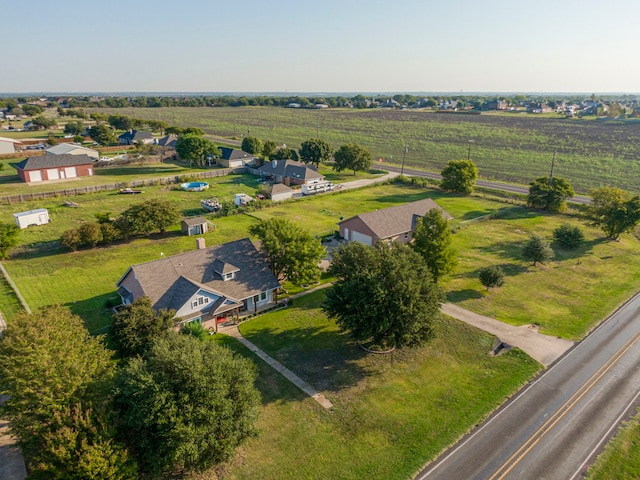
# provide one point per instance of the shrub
(568, 236)
(491, 277)
(71, 239)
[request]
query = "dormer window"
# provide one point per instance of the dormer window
(229, 276)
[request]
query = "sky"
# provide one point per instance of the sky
(359, 46)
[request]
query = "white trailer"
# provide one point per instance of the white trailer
(39, 216)
(241, 199)
(319, 187)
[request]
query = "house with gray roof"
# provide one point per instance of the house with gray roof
(135, 137)
(168, 141)
(290, 172)
(205, 283)
(393, 224)
(54, 167)
(232, 157)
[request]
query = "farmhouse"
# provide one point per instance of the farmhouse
(72, 149)
(290, 172)
(232, 157)
(134, 137)
(194, 226)
(389, 224)
(54, 167)
(8, 145)
(204, 284)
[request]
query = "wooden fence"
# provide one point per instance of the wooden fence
(71, 192)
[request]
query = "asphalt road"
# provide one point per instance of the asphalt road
(505, 187)
(555, 426)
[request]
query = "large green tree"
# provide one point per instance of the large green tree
(120, 122)
(433, 241)
(8, 238)
(459, 176)
(252, 145)
(537, 250)
(269, 148)
(352, 157)
(75, 127)
(103, 134)
(187, 405)
(44, 122)
(195, 149)
(284, 153)
(292, 252)
(58, 379)
(549, 194)
(384, 294)
(137, 325)
(613, 210)
(148, 217)
(315, 151)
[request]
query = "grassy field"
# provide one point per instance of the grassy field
(391, 414)
(621, 458)
(515, 148)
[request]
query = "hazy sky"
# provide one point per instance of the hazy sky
(320, 46)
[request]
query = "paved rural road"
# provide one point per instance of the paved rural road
(556, 425)
(505, 187)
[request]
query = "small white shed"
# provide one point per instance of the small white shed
(241, 199)
(39, 216)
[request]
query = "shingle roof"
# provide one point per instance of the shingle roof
(290, 168)
(393, 221)
(170, 282)
(168, 141)
(234, 154)
(64, 148)
(190, 222)
(49, 161)
(135, 135)
(11, 140)
(280, 188)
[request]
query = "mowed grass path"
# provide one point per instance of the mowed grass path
(514, 148)
(391, 413)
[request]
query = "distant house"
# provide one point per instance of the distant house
(29, 125)
(496, 105)
(293, 105)
(168, 141)
(290, 172)
(232, 157)
(54, 167)
(539, 108)
(389, 224)
(280, 192)
(204, 284)
(195, 226)
(448, 105)
(8, 145)
(134, 137)
(72, 149)
(389, 103)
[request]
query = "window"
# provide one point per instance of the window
(194, 304)
(206, 299)
(200, 300)
(263, 296)
(228, 276)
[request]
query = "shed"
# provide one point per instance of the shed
(241, 199)
(8, 145)
(72, 149)
(280, 192)
(39, 216)
(194, 226)
(232, 157)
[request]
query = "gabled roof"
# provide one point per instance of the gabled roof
(223, 267)
(168, 141)
(289, 168)
(63, 148)
(234, 154)
(51, 161)
(393, 221)
(10, 140)
(190, 222)
(277, 188)
(134, 135)
(171, 281)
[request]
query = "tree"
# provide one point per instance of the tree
(103, 134)
(58, 378)
(137, 325)
(614, 211)
(315, 151)
(90, 233)
(43, 122)
(352, 157)
(8, 238)
(71, 239)
(284, 154)
(491, 277)
(459, 176)
(432, 240)
(120, 122)
(195, 148)
(549, 194)
(75, 127)
(292, 252)
(148, 217)
(568, 236)
(187, 404)
(269, 148)
(384, 294)
(252, 145)
(32, 110)
(537, 250)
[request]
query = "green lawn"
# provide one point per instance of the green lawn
(391, 413)
(621, 458)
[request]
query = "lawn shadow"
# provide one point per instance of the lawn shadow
(474, 214)
(584, 248)
(405, 197)
(96, 312)
(464, 294)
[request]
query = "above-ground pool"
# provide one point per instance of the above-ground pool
(194, 186)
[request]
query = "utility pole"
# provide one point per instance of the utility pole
(469, 142)
(406, 150)
(553, 164)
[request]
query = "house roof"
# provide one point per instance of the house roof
(63, 148)
(133, 135)
(168, 141)
(10, 140)
(234, 154)
(50, 161)
(170, 282)
(277, 188)
(291, 169)
(190, 222)
(393, 221)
